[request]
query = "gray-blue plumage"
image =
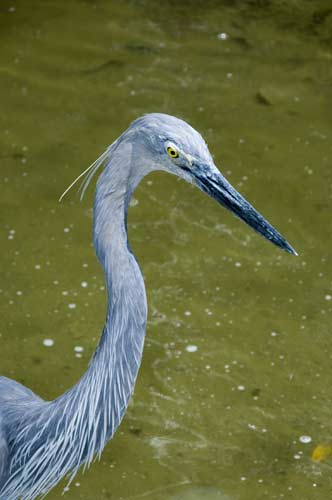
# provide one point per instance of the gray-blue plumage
(42, 441)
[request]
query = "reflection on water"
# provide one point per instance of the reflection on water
(237, 360)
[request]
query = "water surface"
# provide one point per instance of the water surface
(237, 362)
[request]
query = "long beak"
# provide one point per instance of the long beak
(215, 185)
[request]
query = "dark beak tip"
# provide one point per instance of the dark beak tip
(288, 248)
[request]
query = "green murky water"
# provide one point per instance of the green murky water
(222, 419)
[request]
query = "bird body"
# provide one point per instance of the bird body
(42, 441)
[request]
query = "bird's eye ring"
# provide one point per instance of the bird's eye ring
(173, 153)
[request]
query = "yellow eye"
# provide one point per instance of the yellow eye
(173, 153)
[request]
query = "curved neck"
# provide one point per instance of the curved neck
(97, 403)
(118, 355)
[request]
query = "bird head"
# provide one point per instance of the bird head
(172, 145)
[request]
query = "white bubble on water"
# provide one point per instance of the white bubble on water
(133, 202)
(48, 342)
(305, 439)
(191, 348)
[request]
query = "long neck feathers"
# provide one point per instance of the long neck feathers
(100, 399)
(58, 436)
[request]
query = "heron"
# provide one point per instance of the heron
(43, 441)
